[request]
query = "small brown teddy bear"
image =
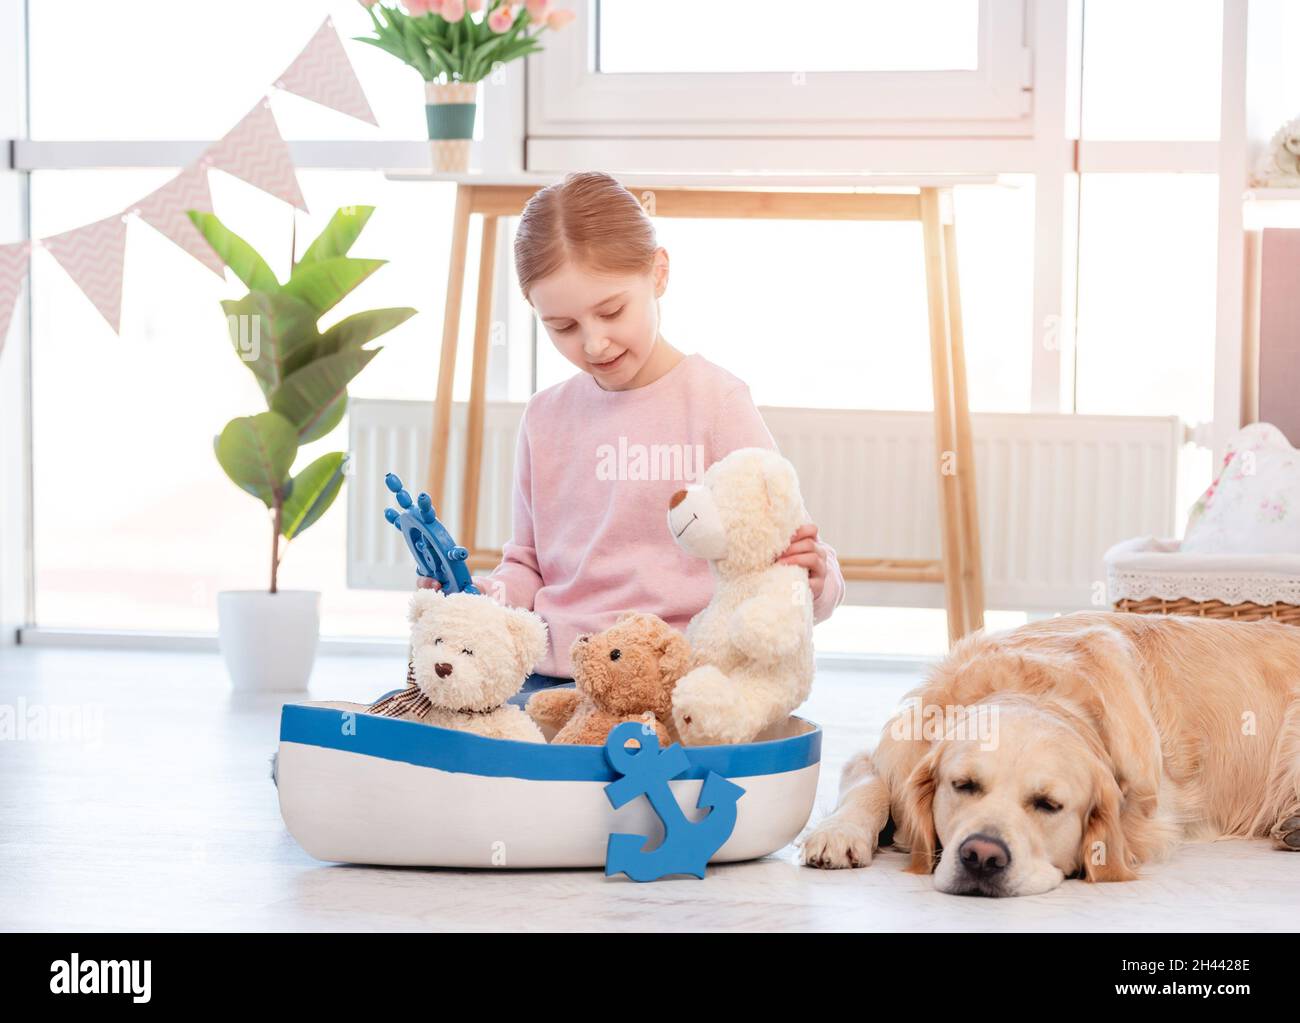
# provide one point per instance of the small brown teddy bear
(625, 673)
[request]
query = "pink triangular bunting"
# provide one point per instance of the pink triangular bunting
(14, 260)
(93, 256)
(253, 150)
(323, 74)
(165, 210)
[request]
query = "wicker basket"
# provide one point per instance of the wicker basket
(1247, 612)
(1150, 576)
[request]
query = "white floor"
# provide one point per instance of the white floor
(171, 822)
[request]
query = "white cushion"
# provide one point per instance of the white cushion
(1253, 506)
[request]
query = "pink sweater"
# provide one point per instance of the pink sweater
(591, 494)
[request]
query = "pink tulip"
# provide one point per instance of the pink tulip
(559, 17)
(369, 3)
(452, 10)
(501, 19)
(537, 8)
(418, 7)
(474, 6)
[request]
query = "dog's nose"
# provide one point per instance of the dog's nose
(984, 855)
(443, 670)
(677, 499)
(615, 654)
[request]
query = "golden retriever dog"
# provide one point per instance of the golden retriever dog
(1084, 745)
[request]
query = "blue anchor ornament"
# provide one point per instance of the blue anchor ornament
(437, 555)
(687, 845)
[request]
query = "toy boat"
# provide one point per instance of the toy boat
(359, 788)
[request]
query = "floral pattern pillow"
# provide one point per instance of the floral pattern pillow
(1253, 506)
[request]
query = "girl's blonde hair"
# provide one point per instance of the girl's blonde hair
(588, 219)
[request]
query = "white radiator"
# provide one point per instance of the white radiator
(1055, 491)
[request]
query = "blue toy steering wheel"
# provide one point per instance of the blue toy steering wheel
(437, 555)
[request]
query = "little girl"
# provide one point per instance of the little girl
(591, 491)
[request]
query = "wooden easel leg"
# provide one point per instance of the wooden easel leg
(438, 443)
(972, 568)
(936, 280)
(467, 535)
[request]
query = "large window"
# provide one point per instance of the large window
(637, 68)
(149, 69)
(1148, 229)
(840, 35)
(1151, 69)
(135, 526)
(833, 315)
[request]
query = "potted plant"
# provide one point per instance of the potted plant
(269, 637)
(453, 52)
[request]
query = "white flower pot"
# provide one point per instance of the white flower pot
(269, 639)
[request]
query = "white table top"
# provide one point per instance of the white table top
(782, 180)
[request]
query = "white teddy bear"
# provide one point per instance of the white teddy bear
(469, 655)
(1279, 165)
(751, 648)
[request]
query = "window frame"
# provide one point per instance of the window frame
(568, 98)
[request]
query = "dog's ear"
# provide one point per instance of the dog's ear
(1104, 855)
(918, 812)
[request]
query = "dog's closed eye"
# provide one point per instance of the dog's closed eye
(967, 785)
(1046, 805)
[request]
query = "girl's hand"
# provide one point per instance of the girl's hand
(485, 584)
(803, 550)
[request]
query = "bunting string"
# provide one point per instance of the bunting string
(94, 255)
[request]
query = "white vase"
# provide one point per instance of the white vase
(449, 108)
(269, 639)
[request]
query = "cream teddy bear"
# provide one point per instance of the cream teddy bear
(751, 647)
(469, 655)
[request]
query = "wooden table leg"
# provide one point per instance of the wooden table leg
(972, 568)
(467, 534)
(936, 280)
(438, 443)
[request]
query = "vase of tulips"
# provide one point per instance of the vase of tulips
(455, 44)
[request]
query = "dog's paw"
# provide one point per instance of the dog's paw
(833, 844)
(1286, 834)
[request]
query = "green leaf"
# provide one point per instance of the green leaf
(393, 46)
(270, 332)
(332, 416)
(339, 234)
(447, 61)
(323, 284)
(314, 490)
(359, 328)
(482, 62)
(257, 453)
(416, 54)
(236, 253)
(308, 398)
